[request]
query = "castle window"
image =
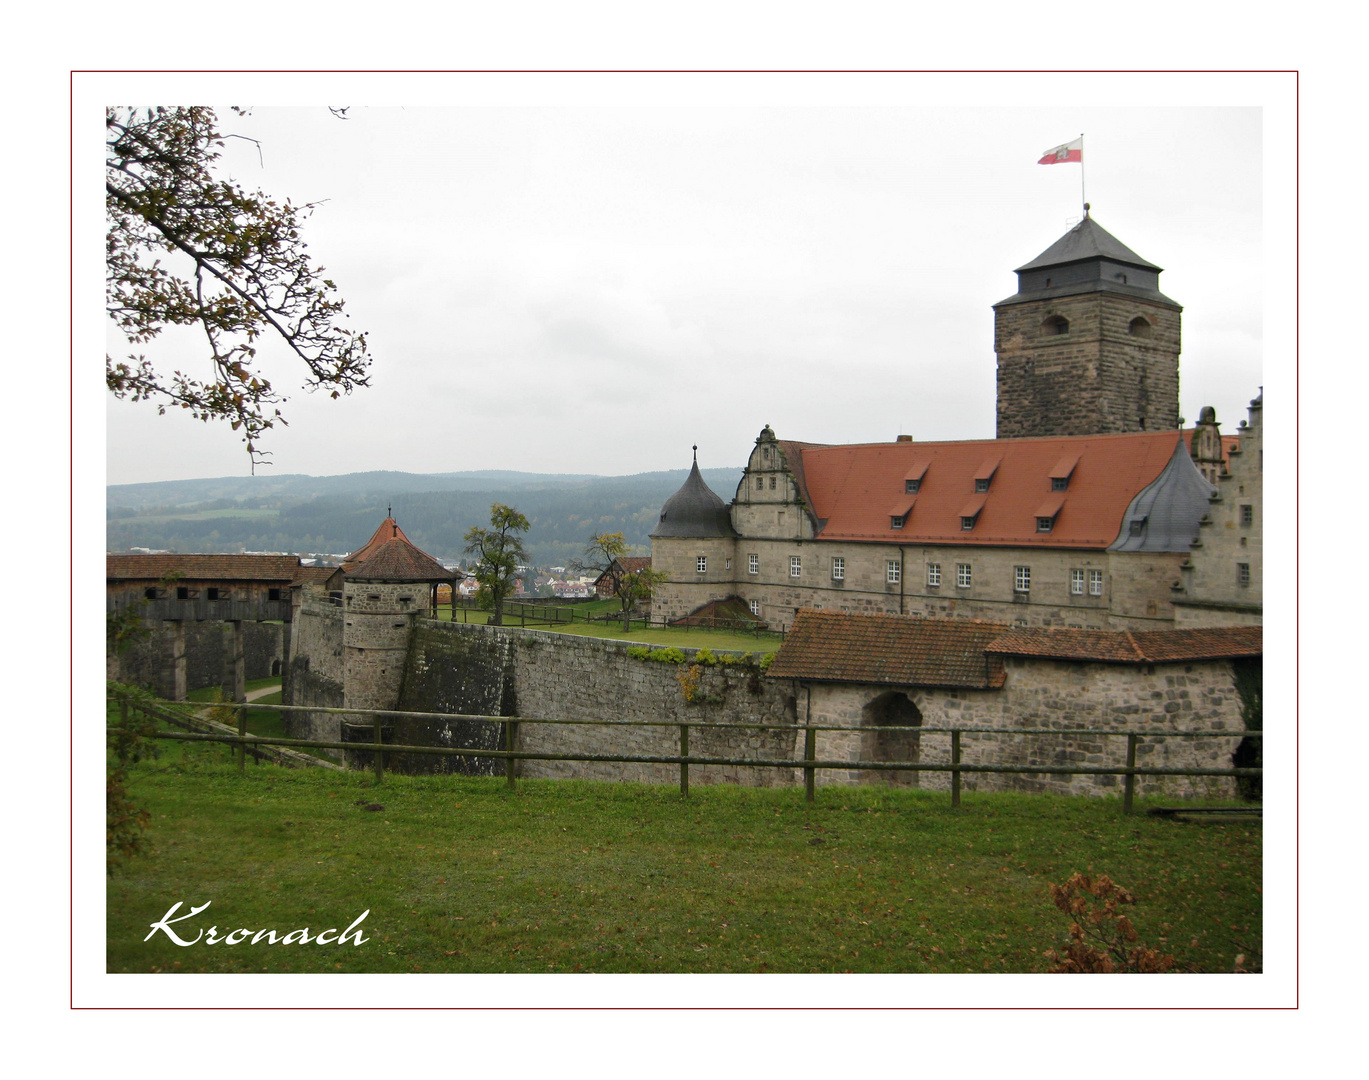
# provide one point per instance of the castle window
(896, 521)
(838, 568)
(934, 575)
(1242, 573)
(796, 566)
(1076, 582)
(211, 594)
(150, 594)
(273, 595)
(1247, 514)
(893, 573)
(963, 579)
(753, 564)
(1022, 579)
(772, 483)
(760, 483)
(756, 608)
(1055, 325)
(1095, 583)
(182, 593)
(966, 523)
(1139, 327)
(701, 564)
(1045, 524)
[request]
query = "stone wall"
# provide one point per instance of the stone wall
(314, 674)
(207, 655)
(561, 677)
(1098, 378)
(1046, 694)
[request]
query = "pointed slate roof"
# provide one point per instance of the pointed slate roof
(1087, 259)
(694, 511)
(1087, 240)
(1165, 514)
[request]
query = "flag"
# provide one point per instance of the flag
(1070, 151)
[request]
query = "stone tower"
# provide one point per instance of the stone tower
(1088, 345)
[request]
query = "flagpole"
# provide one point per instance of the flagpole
(1083, 194)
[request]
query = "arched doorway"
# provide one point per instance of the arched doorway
(889, 711)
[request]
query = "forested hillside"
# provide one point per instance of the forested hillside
(337, 514)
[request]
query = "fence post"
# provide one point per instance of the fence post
(955, 768)
(510, 739)
(1129, 789)
(242, 731)
(810, 742)
(684, 765)
(379, 762)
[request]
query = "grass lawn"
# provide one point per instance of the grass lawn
(684, 637)
(459, 875)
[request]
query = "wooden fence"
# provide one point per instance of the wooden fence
(809, 763)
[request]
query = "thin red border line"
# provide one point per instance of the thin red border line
(1295, 73)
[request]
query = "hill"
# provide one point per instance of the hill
(309, 514)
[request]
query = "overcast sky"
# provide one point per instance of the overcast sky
(597, 288)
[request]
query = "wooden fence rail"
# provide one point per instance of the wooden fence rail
(809, 764)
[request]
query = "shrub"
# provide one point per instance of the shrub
(705, 657)
(1100, 936)
(671, 655)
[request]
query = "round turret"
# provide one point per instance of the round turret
(694, 511)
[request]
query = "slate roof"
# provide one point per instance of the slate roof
(398, 560)
(279, 568)
(850, 489)
(694, 511)
(1087, 240)
(894, 650)
(1133, 646)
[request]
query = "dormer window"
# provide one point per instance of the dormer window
(1054, 326)
(1045, 524)
(1060, 483)
(912, 479)
(911, 486)
(967, 522)
(1138, 526)
(984, 474)
(981, 485)
(896, 521)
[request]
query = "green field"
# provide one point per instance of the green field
(460, 875)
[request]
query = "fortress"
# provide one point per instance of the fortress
(1093, 567)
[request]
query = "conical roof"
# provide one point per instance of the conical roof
(398, 560)
(694, 511)
(389, 530)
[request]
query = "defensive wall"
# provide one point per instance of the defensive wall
(499, 671)
(150, 661)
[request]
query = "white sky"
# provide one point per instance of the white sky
(563, 279)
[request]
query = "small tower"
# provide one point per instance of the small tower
(693, 544)
(1088, 345)
(386, 584)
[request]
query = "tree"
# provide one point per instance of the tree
(603, 555)
(235, 267)
(498, 551)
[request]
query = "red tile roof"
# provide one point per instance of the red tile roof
(889, 649)
(1133, 646)
(388, 531)
(851, 488)
(398, 560)
(281, 568)
(314, 575)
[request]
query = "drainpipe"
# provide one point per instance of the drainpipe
(902, 574)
